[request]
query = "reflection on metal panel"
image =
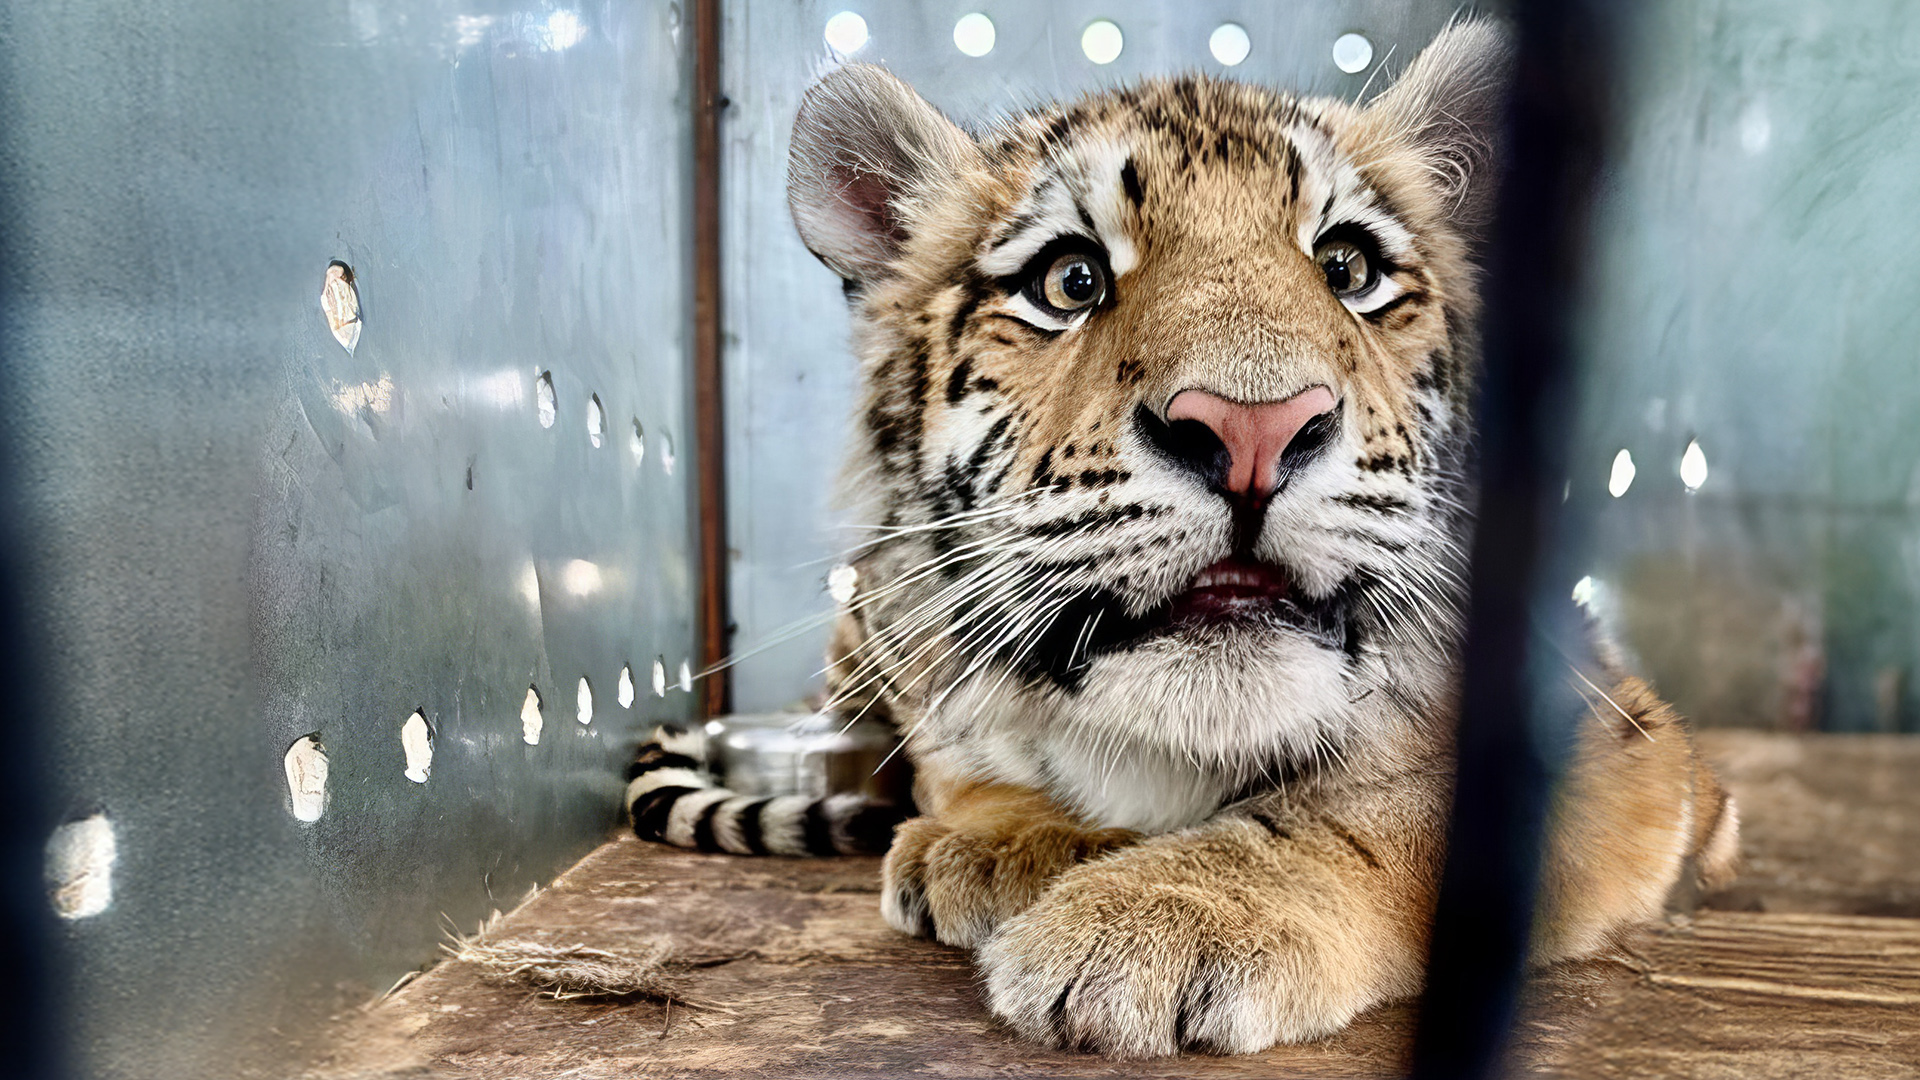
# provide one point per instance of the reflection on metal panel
(332, 334)
(790, 377)
(1751, 347)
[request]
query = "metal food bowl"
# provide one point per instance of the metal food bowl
(811, 754)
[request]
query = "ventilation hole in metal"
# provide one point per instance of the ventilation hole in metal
(1229, 44)
(416, 741)
(340, 303)
(1352, 53)
(1102, 41)
(531, 720)
(1693, 466)
(1621, 476)
(80, 858)
(306, 764)
(547, 405)
(973, 34)
(846, 33)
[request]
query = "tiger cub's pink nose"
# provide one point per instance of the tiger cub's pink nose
(1255, 435)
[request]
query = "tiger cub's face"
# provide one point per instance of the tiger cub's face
(1163, 402)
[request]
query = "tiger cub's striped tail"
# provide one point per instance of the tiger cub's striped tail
(672, 798)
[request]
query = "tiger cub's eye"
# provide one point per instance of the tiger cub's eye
(1348, 271)
(1073, 282)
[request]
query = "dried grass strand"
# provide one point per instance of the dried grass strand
(571, 972)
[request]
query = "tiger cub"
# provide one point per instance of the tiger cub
(1162, 427)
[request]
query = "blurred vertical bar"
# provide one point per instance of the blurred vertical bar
(1508, 751)
(708, 389)
(31, 1006)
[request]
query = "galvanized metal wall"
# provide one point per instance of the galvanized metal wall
(789, 375)
(1756, 290)
(242, 534)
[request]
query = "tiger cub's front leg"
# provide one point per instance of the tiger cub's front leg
(984, 853)
(1283, 918)
(1269, 923)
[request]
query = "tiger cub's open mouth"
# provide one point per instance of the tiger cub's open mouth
(1232, 588)
(1239, 589)
(1235, 593)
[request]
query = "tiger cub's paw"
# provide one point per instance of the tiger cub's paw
(956, 887)
(1115, 964)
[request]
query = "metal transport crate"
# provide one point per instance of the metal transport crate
(351, 456)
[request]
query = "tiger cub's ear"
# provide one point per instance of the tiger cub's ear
(1449, 107)
(866, 151)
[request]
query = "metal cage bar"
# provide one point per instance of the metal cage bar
(1510, 739)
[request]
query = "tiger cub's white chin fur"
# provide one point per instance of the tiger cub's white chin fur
(1162, 736)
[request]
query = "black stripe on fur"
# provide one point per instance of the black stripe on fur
(703, 837)
(752, 829)
(818, 830)
(650, 810)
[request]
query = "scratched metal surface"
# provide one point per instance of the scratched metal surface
(789, 375)
(241, 534)
(1754, 288)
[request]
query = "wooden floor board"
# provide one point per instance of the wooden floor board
(805, 979)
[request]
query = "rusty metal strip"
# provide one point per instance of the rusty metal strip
(709, 430)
